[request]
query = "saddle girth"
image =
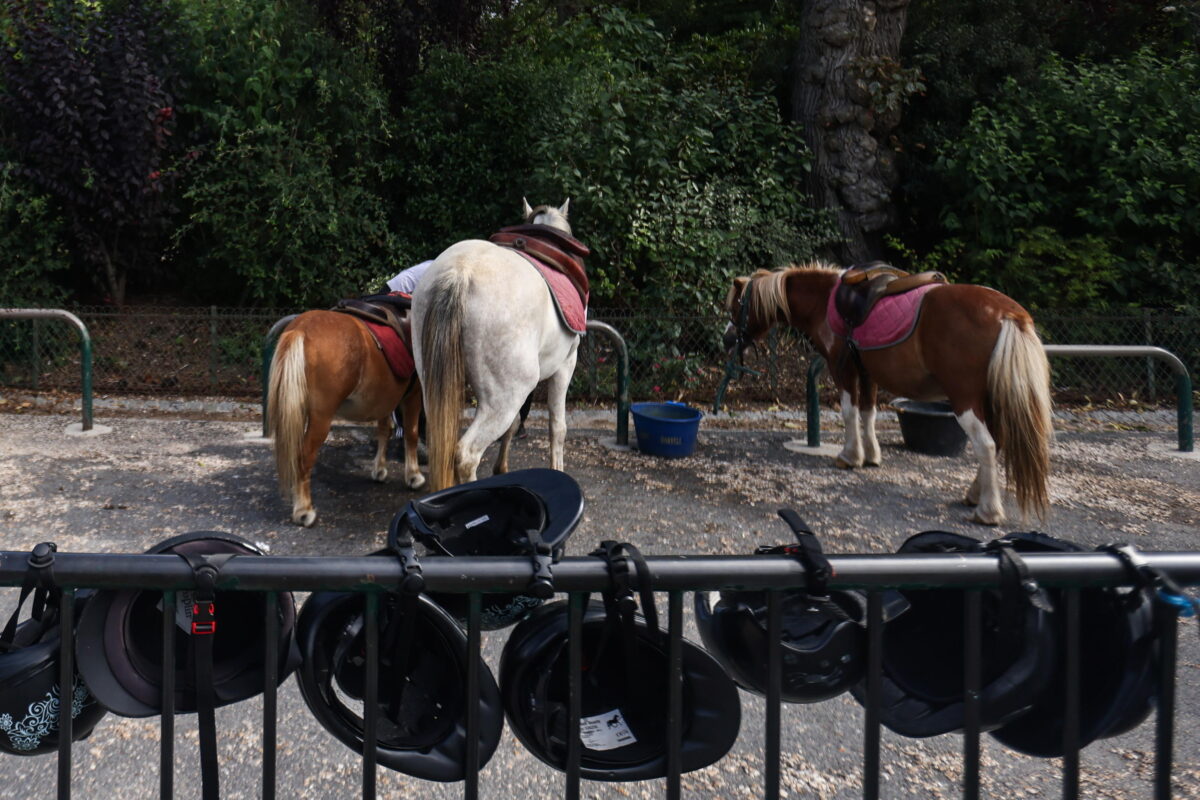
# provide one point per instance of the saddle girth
(552, 247)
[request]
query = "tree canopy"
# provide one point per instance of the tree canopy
(289, 152)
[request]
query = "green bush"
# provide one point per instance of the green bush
(33, 246)
(292, 150)
(678, 178)
(1081, 189)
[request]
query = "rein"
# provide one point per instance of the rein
(735, 366)
(742, 326)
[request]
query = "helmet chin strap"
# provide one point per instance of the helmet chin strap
(205, 569)
(817, 570)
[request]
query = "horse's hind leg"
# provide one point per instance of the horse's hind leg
(556, 403)
(303, 512)
(866, 407)
(984, 492)
(383, 433)
(412, 414)
(490, 424)
(501, 465)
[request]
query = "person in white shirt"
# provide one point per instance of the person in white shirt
(406, 280)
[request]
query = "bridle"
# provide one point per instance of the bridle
(741, 328)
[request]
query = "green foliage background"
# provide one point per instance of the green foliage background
(1052, 154)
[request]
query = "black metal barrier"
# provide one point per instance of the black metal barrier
(578, 576)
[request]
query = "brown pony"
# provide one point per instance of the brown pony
(327, 364)
(971, 345)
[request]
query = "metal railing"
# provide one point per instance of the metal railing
(1183, 381)
(85, 349)
(673, 575)
(187, 351)
(1183, 384)
(593, 326)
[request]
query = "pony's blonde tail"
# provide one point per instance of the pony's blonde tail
(444, 375)
(1019, 390)
(287, 409)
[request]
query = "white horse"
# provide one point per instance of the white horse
(484, 317)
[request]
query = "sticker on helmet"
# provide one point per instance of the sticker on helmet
(605, 731)
(477, 521)
(184, 604)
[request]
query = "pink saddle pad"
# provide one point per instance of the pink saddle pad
(572, 309)
(890, 322)
(397, 355)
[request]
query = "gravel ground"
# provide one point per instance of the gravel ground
(177, 467)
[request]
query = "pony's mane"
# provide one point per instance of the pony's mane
(769, 297)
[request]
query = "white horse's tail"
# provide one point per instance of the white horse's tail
(1019, 390)
(287, 408)
(444, 374)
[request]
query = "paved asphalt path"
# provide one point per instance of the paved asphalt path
(151, 478)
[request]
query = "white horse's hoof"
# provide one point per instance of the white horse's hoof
(379, 475)
(870, 463)
(989, 521)
(842, 463)
(416, 481)
(305, 518)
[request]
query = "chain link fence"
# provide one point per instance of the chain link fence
(215, 351)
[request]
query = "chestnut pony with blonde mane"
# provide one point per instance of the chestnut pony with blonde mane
(971, 345)
(485, 318)
(328, 365)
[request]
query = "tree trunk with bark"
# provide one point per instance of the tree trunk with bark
(846, 46)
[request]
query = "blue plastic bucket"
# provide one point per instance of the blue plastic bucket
(666, 429)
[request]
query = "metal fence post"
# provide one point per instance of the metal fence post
(813, 401)
(622, 377)
(212, 349)
(35, 356)
(85, 349)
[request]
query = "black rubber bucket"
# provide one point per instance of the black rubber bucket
(930, 428)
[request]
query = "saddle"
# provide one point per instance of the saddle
(864, 285)
(382, 309)
(554, 248)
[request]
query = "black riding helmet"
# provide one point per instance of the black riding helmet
(30, 694)
(527, 512)
(923, 648)
(1118, 656)
(823, 639)
(422, 682)
(623, 725)
(119, 637)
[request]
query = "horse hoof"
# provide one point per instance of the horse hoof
(991, 523)
(871, 463)
(416, 482)
(842, 463)
(379, 475)
(305, 518)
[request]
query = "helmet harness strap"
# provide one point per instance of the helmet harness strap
(619, 605)
(817, 569)
(398, 635)
(205, 570)
(1016, 585)
(40, 581)
(1167, 590)
(541, 585)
